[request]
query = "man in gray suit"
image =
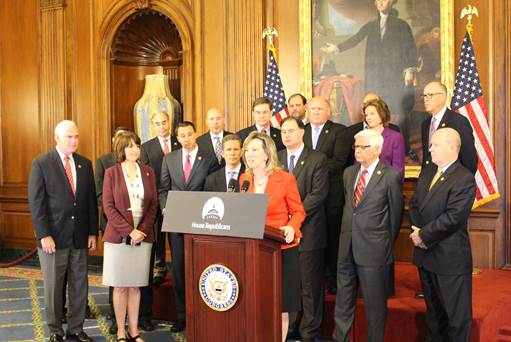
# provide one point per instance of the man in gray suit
(311, 173)
(185, 169)
(370, 225)
(63, 205)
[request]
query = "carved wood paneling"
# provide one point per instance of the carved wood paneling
(52, 87)
(244, 68)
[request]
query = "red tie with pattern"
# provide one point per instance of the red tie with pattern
(166, 146)
(359, 190)
(69, 173)
(188, 168)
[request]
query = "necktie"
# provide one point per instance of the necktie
(435, 179)
(359, 190)
(315, 137)
(166, 149)
(291, 166)
(231, 174)
(187, 168)
(432, 128)
(383, 27)
(218, 148)
(69, 173)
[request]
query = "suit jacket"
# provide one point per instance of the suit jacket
(172, 174)
(334, 143)
(467, 155)
(216, 181)
(116, 203)
(370, 229)
(442, 215)
(152, 154)
(387, 58)
(104, 162)
(284, 204)
(205, 143)
(354, 129)
(274, 134)
(68, 218)
(311, 176)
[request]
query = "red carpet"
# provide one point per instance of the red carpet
(405, 319)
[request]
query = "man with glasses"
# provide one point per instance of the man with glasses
(370, 226)
(435, 97)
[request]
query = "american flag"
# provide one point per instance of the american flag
(468, 100)
(274, 91)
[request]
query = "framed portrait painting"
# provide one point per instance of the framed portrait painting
(392, 48)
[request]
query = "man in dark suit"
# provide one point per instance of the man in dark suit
(439, 210)
(211, 141)
(370, 225)
(185, 169)
(64, 212)
(297, 105)
(390, 59)
(261, 111)
(151, 153)
(231, 152)
(102, 163)
(328, 137)
(435, 97)
(311, 173)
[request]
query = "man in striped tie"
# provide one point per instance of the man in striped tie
(370, 226)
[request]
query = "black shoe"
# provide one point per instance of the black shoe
(178, 327)
(132, 338)
(55, 338)
(419, 295)
(113, 328)
(308, 340)
(146, 325)
(89, 314)
(158, 280)
(81, 337)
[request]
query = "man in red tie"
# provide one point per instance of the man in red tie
(370, 225)
(63, 205)
(184, 169)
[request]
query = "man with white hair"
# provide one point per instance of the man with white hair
(370, 225)
(63, 205)
(439, 210)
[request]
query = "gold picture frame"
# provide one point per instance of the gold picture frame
(446, 46)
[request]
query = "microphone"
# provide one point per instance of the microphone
(232, 185)
(244, 186)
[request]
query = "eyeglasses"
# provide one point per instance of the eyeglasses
(360, 147)
(429, 96)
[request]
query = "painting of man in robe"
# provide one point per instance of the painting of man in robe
(387, 47)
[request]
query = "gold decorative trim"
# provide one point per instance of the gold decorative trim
(446, 44)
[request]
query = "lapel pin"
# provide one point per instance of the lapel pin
(79, 166)
(199, 157)
(302, 162)
(326, 132)
(274, 135)
(427, 162)
(175, 143)
(378, 172)
(443, 125)
(442, 179)
(147, 174)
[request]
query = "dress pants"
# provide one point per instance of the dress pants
(145, 311)
(448, 306)
(177, 249)
(160, 265)
(54, 268)
(372, 282)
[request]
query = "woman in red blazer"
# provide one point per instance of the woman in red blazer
(130, 204)
(285, 211)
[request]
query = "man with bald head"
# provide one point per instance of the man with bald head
(323, 135)
(211, 141)
(63, 205)
(435, 98)
(439, 210)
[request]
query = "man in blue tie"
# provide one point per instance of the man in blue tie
(219, 180)
(211, 141)
(328, 137)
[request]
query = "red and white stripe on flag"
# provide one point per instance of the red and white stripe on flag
(468, 100)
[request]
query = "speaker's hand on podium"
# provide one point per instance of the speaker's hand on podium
(289, 233)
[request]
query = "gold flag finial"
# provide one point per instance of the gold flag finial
(270, 32)
(469, 11)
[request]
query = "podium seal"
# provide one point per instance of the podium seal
(218, 287)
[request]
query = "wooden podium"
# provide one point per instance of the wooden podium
(257, 314)
(232, 266)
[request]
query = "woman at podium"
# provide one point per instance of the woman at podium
(285, 211)
(130, 204)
